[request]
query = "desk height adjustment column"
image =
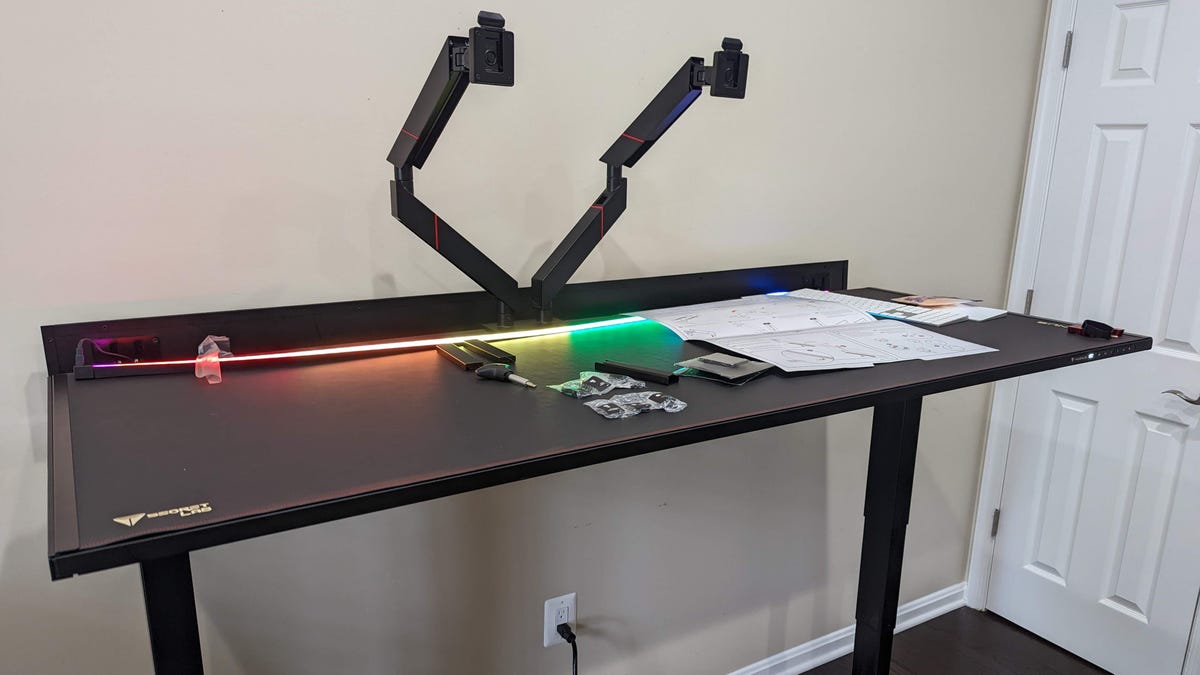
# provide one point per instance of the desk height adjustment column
(890, 468)
(171, 614)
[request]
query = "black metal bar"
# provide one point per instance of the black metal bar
(171, 615)
(894, 432)
(668, 105)
(486, 57)
(676, 95)
(439, 96)
(446, 240)
(575, 247)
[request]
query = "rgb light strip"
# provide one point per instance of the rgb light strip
(388, 346)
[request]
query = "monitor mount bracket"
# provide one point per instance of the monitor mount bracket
(725, 78)
(485, 57)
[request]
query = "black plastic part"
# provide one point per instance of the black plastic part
(101, 372)
(489, 351)
(493, 371)
(1097, 329)
(727, 76)
(490, 54)
(495, 20)
(577, 245)
(648, 374)
(460, 357)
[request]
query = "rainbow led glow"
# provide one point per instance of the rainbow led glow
(389, 346)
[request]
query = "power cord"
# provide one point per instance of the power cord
(99, 350)
(565, 632)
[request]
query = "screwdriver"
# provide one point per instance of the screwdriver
(501, 372)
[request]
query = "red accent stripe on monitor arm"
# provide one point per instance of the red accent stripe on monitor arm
(601, 207)
(436, 242)
(632, 138)
(406, 132)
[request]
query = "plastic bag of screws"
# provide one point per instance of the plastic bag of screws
(634, 403)
(592, 383)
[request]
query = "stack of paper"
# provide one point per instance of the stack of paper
(797, 334)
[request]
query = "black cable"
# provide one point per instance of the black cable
(565, 632)
(99, 350)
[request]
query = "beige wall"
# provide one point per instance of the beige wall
(170, 157)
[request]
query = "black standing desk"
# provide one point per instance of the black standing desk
(281, 447)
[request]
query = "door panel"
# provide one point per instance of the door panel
(1183, 316)
(1099, 544)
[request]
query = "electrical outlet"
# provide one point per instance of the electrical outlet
(558, 610)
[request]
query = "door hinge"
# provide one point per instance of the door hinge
(1067, 49)
(1028, 301)
(995, 522)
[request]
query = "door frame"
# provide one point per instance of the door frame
(1052, 77)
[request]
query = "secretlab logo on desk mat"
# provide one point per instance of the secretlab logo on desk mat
(181, 511)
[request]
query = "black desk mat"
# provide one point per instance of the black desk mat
(281, 437)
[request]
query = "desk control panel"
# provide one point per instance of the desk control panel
(1105, 352)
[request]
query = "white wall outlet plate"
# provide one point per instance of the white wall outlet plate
(558, 610)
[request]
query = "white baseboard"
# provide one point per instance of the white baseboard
(826, 648)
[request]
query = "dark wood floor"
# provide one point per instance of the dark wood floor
(969, 642)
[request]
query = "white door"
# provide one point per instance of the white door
(1098, 548)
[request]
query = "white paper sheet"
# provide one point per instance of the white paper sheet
(905, 341)
(852, 346)
(754, 316)
(803, 350)
(849, 346)
(804, 334)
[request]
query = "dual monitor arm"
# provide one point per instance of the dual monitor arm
(486, 58)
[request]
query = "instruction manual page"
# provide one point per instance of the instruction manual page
(801, 334)
(755, 315)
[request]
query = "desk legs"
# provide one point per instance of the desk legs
(171, 613)
(889, 494)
